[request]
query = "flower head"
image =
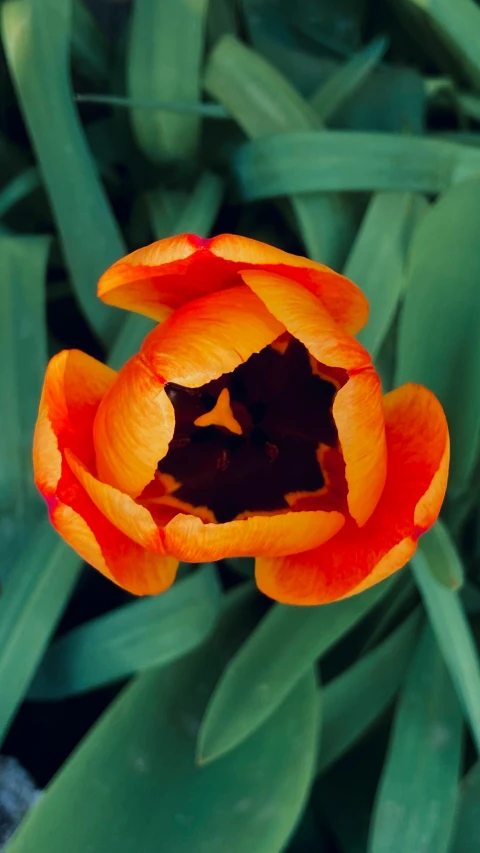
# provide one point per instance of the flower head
(251, 423)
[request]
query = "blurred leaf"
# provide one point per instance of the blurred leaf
(23, 261)
(443, 295)
(89, 45)
(148, 632)
(467, 827)
(201, 210)
(262, 101)
(444, 560)
(416, 799)
(20, 186)
(357, 697)
(196, 108)
(161, 33)
(344, 83)
(164, 210)
(452, 630)
(265, 669)
(222, 19)
(147, 794)
(377, 259)
(36, 37)
(33, 599)
(458, 24)
(342, 161)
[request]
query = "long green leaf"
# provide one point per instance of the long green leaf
(32, 601)
(263, 101)
(148, 632)
(36, 36)
(20, 186)
(452, 630)
(89, 45)
(145, 791)
(340, 161)
(467, 828)
(269, 664)
(377, 259)
(416, 799)
(342, 84)
(458, 24)
(23, 261)
(443, 296)
(160, 34)
(357, 697)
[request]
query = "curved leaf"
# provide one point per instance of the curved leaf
(148, 632)
(145, 791)
(266, 668)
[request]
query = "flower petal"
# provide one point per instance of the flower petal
(358, 414)
(73, 387)
(209, 337)
(192, 540)
(133, 520)
(133, 427)
(418, 455)
(357, 409)
(89, 532)
(169, 273)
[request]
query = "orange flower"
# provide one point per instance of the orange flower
(250, 423)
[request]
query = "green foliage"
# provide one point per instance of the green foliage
(345, 130)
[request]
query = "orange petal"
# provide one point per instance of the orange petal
(192, 540)
(418, 455)
(210, 336)
(169, 273)
(133, 427)
(89, 532)
(121, 510)
(358, 414)
(344, 301)
(73, 386)
(357, 408)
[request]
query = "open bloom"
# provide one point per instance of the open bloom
(251, 423)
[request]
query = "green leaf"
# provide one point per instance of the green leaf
(467, 827)
(344, 83)
(33, 599)
(444, 560)
(201, 210)
(89, 45)
(342, 161)
(263, 101)
(452, 630)
(458, 24)
(23, 261)
(145, 791)
(266, 668)
(377, 259)
(357, 697)
(160, 34)
(443, 295)
(36, 37)
(148, 632)
(416, 799)
(20, 186)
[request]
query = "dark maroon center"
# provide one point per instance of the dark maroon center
(285, 412)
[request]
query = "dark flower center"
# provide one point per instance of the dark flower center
(247, 441)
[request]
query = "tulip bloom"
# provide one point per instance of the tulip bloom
(251, 423)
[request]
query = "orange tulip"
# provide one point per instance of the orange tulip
(251, 423)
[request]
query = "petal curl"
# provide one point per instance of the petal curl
(418, 456)
(357, 408)
(74, 385)
(192, 540)
(169, 273)
(210, 336)
(133, 427)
